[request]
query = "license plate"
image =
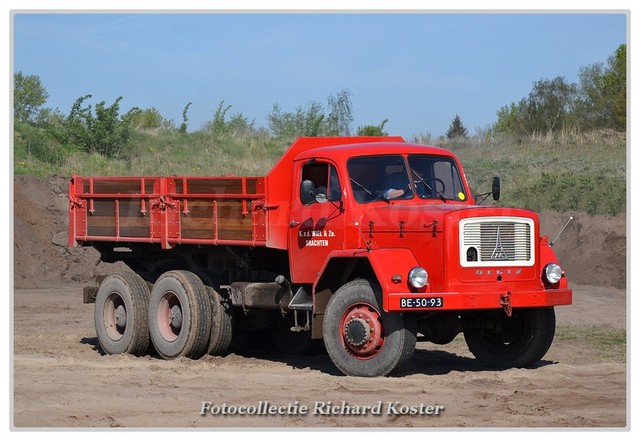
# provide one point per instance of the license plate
(421, 302)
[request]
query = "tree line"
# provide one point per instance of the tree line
(552, 106)
(598, 101)
(105, 130)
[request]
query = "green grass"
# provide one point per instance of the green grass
(603, 341)
(567, 173)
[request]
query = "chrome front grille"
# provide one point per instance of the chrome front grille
(496, 241)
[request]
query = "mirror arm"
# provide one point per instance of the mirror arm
(486, 195)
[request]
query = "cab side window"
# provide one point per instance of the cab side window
(319, 178)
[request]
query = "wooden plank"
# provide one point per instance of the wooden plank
(200, 222)
(110, 221)
(227, 234)
(104, 207)
(200, 208)
(198, 233)
(114, 187)
(101, 231)
(130, 208)
(134, 232)
(214, 187)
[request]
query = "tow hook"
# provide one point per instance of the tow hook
(505, 302)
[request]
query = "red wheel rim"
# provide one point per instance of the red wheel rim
(114, 316)
(169, 316)
(361, 331)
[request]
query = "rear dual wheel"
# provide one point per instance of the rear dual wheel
(120, 314)
(179, 315)
(221, 323)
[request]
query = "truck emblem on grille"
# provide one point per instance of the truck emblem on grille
(498, 252)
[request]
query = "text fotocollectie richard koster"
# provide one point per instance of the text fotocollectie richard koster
(265, 408)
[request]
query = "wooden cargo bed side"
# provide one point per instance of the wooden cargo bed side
(168, 210)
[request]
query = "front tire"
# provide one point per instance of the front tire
(361, 338)
(512, 342)
(120, 314)
(179, 315)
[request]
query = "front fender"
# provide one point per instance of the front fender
(389, 266)
(547, 255)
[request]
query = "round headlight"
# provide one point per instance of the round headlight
(418, 277)
(552, 273)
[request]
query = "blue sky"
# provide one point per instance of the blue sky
(418, 70)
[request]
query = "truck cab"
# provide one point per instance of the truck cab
(366, 197)
(400, 222)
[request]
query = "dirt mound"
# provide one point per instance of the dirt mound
(41, 257)
(592, 249)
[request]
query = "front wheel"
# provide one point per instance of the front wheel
(361, 338)
(518, 341)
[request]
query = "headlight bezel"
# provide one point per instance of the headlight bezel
(552, 273)
(418, 277)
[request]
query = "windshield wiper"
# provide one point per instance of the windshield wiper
(421, 179)
(362, 187)
(369, 192)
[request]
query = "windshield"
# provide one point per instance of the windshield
(436, 177)
(375, 178)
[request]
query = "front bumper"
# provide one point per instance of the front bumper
(477, 300)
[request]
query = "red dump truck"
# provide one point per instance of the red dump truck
(365, 244)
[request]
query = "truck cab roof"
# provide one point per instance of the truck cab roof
(346, 151)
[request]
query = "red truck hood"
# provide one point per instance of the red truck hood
(420, 217)
(413, 217)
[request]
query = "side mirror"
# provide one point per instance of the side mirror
(495, 188)
(307, 192)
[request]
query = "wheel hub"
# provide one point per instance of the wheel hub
(356, 331)
(175, 316)
(121, 316)
(361, 329)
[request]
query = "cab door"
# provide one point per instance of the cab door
(316, 226)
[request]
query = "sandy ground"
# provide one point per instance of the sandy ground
(61, 379)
